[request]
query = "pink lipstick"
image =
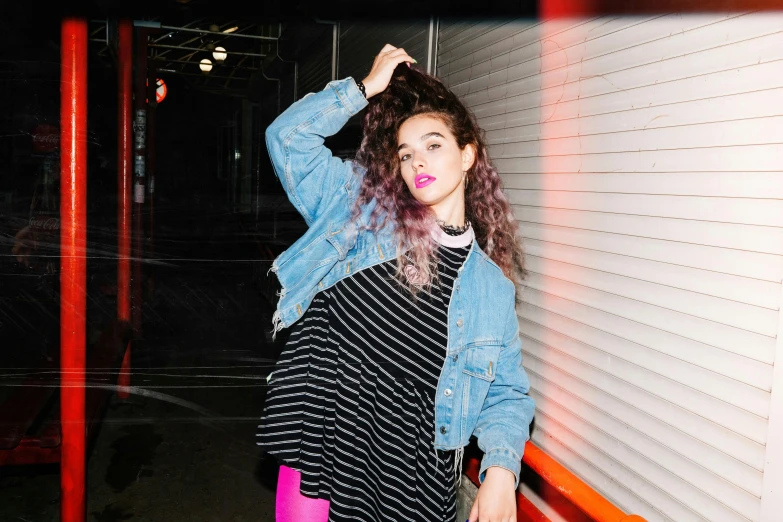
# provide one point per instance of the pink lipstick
(422, 180)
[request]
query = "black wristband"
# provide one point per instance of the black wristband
(360, 85)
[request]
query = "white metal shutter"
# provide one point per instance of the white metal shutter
(360, 43)
(643, 159)
(315, 68)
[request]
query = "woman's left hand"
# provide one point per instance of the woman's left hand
(496, 498)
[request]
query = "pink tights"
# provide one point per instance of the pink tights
(292, 506)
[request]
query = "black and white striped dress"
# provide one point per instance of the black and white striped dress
(351, 403)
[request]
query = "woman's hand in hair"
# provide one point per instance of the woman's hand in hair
(383, 67)
(496, 499)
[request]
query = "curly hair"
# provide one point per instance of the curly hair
(413, 93)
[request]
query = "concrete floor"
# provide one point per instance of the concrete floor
(182, 448)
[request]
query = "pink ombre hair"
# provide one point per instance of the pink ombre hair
(412, 93)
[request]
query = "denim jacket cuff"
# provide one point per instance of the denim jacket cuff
(351, 97)
(505, 459)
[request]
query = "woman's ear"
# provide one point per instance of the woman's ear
(468, 156)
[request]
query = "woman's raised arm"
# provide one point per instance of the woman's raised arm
(295, 140)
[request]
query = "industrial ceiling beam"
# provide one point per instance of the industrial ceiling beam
(202, 75)
(168, 35)
(238, 65)
(231, 76)
(203, 49)
(214, 33)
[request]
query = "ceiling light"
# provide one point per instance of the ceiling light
(231, 29)
(205, 65)
(219, 54)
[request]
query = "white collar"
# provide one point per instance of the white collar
(462, 240)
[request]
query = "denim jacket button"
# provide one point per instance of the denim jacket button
(443, 429)
(447, 392)
(459, 323)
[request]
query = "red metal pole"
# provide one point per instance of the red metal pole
(73, 265)
(140, 171)
(124, 168)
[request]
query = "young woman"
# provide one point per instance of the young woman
(401, 295)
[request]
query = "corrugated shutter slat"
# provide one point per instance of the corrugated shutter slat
(643, 158)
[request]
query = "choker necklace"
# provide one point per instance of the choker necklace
(453, 230)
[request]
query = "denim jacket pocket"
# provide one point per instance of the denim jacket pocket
(342, 237)
(481, 360)
(479, 372)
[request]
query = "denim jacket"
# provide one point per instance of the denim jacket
(482, 389)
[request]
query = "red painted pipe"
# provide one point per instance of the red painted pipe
(73, 264)
(526, 510)
(124, 167)
(588, 500)
(124, 173)
(577, 492)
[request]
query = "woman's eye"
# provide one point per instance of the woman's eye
(405, 157)
(434, 145)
